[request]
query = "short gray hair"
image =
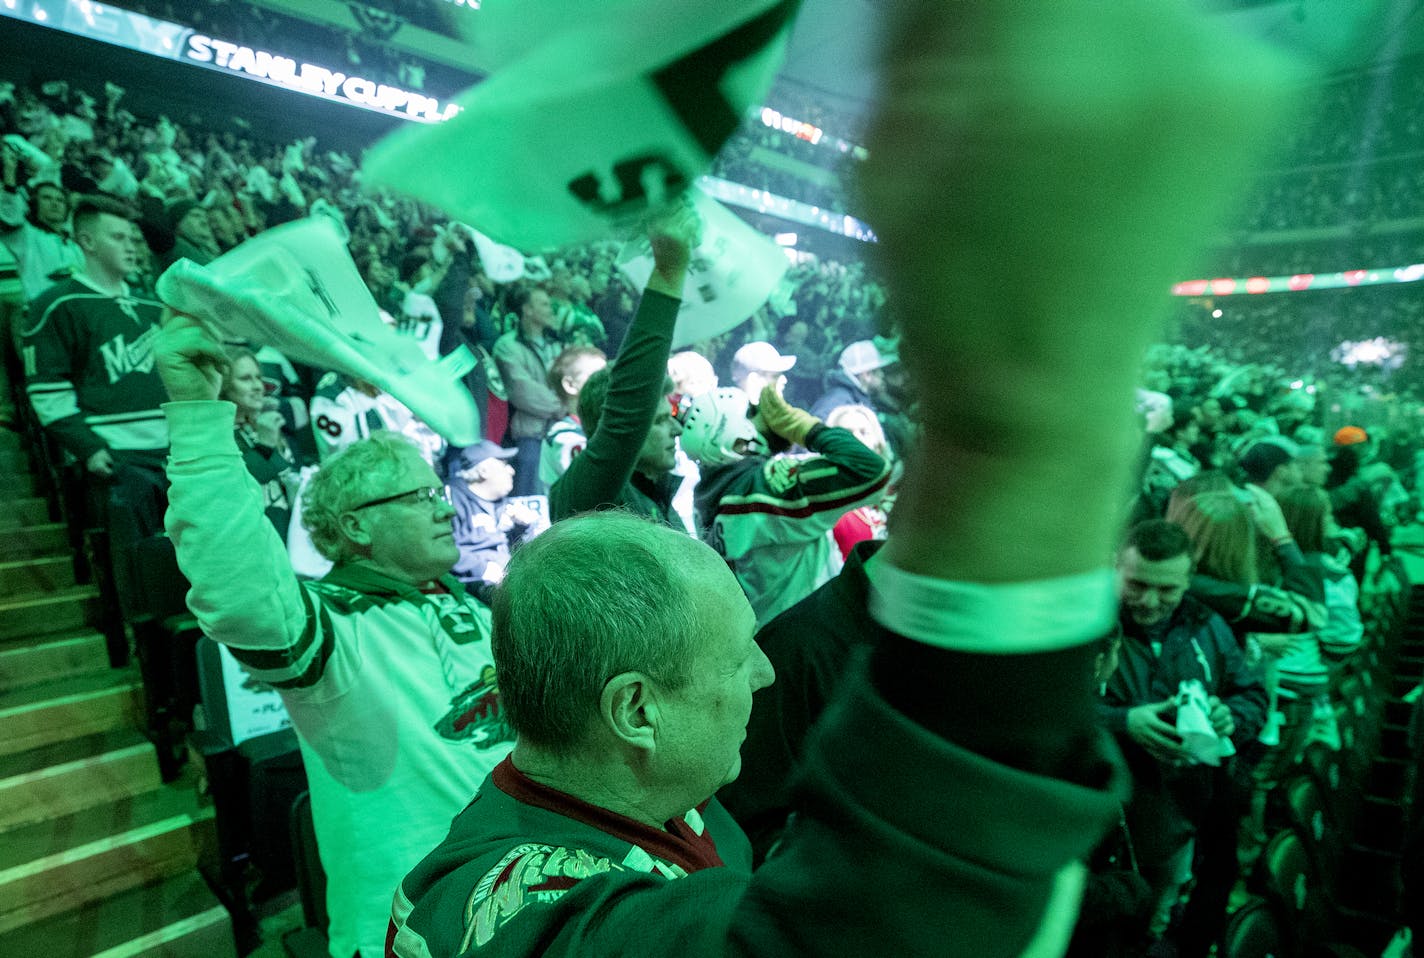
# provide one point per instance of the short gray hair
(347, 479)
(591, 598)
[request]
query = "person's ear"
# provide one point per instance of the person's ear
(355, 528)
(628, 707)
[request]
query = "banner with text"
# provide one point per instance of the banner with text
(173, 41)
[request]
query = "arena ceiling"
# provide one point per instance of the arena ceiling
(832, 50)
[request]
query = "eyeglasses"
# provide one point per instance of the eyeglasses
(428, 495)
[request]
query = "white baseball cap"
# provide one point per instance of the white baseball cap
(865, 355)
(759, 357)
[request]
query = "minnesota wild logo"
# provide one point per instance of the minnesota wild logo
(476, 714)
(529, 874)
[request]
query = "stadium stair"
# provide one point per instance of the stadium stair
(97, 856)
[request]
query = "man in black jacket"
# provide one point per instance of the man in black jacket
(1170, 638)
(810, 645)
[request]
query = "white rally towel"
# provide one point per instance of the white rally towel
(617, 111)
(296, 289)
(501, 263)
(733, 271)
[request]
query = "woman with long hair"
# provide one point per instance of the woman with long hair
(268, 457)
(1227, 526)
(1297, 664)
(1310, 518)
(1222, 533)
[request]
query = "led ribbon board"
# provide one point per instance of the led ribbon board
(173, 41)
(1299, 282)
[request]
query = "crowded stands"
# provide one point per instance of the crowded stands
(1256, 647)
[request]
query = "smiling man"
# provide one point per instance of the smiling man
(1170, 637)
(384, 664)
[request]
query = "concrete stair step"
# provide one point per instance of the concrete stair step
(1398, 712)
(178, 917)
(68, 708)
(69, 776)
(1381, 823)
(34, 484)
(31, 542)
(33, 576)
(70, 861)
(45, 613)
(26, 511)
(14, 459)
(35, 660)
(22, 483)
(1394, 741)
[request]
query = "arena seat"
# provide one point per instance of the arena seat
(1255, 931)
(1310, 818)
(1292, 886)
(310, 940)
(165, 635)
(1340, 791)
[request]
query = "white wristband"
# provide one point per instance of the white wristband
(1016, 618)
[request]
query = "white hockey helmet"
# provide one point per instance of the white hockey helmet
(713, 424)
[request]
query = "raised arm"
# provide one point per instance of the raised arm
(243, 590)
(12, 197)
(802, 497)
(996, 574)
(1296, 604)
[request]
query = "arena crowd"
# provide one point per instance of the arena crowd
(1267, 490)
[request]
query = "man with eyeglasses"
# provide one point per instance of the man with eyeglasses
(384, 664)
